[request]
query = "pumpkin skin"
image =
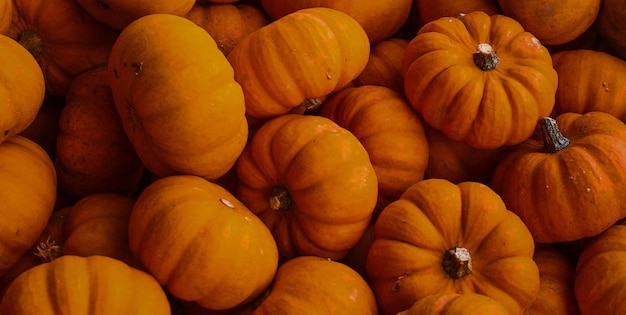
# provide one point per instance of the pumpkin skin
(611, 26)
(93, 160)
(119, 13)
(28, 185)
(201, 243)
(64, 39)
(338, 290)
(6, 13)
(430, 10)
(384, 67)
(590, 80)
(203, 104)
(310, 53)
(45, 127)
(311, 182)
(445, 238)
(572, 193)
(486, 109)
(227, 23)
(456, 304)
(84, 285)
(554, 22)
(22, 88)
(600, 273)
(384, 122)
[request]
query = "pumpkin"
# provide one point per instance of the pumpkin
(119, 13)
(384, 123)
(445, 238)
(6, 13)
(556, 283)
(456, 304)
(498, 79)
(311, 181)
(22, 88)
(178, 101)
(201, 243)
(430, 10)
(98, 225)
(569, 183)
(590, 80)
(93, 160)
(303, 56)
(84, 285)
(28, 186)
(384, 66)
(227, 23)
(600, 273)
(337, 289)
(612, 27)
(367, 14)
(554, 21)
(64, 39)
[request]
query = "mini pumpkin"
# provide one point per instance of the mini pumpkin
(612, 26)
(444, 238)
(119, 13)
(384, 66)
(430, 10)
(480, 79)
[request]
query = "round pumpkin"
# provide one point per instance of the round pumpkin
(568, 183)
(92, 159)
(612, 26)
(28, 186)
(92, 285)
(176, 95)
(64, 39)
(479, 79)
(389, 130)
(553, 21)
(303, 56)
(445, 238)
(119, 13)
(312, 183)
(384, 66)
(456, 304)
(22, 88)
(369, 14)
(590, 80)
(201, 243)
(309, 285)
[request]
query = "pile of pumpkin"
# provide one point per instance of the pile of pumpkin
(312, 157)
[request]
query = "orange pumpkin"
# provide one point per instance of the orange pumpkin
(445, 238)
(119, 13)
(93, 153)
(314, 285)
(201, 243)
(6, 13)
(227, 23)
(64, 39)
(384, 67)
(311, 182)
(305, 55)
(456, 304)
(590, 80)
(569, 183)
(175, 93)
(384, 122)
(430, 10)
(612, 26)
(28, 186)
(22, 88)
(84, 285)
(479, 79)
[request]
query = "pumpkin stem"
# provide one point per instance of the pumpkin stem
(553, 139)
(48, 250)
(30, 40)
(280, 199)
(457, 262)
(485, 58)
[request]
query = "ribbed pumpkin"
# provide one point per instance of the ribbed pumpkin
(384, 67)
(312, 183)
(201, 243)
(445, 238)
(176, 95)
(456, 304)
(6, 14)
(612, 26)
(479, 79)
(568, 183)
(92, 285)
(301, 57)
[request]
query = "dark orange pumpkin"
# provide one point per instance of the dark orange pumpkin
(569, 183)
(311, 181)
(479, 79)
(456, 304)
(430, 10)
(384, 67)
(119, 13)
(612, 26)
(6, 14)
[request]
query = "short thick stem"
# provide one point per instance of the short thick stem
(485, 57)
(553, 139)
(280, 199)
(457, 262)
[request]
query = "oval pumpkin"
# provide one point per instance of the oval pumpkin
(311, 182)
(479, 79)
(175, 93)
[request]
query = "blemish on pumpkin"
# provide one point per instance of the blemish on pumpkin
(227, 203)
(396, 285)
(138, 66)
(605, 86)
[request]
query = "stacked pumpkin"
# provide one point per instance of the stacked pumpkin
(312, 157)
